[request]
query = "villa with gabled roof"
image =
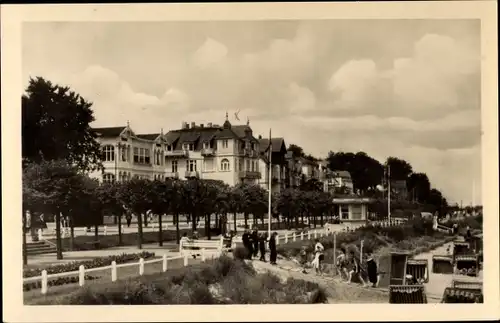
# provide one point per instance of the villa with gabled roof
(229, 153)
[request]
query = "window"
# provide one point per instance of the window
(108, 153)
(240, 164)
(191, 165)
(191, 147)
(108, 178)
(141, 156)
(344, 212)
(206, 145)
(185, 146)
(169, 147)
(248, 165)
(158, 158)
(174, 166)
(225, 143)
(253, 146)
(224, 165)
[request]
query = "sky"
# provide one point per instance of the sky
(404, 88)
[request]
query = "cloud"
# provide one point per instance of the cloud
(401, 88)
(210, 53)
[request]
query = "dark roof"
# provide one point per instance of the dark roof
(196, 136)
(109, 131)
(171, 137)
(277, 144)
(150, 136)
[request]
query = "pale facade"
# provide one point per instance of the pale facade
(228, 153)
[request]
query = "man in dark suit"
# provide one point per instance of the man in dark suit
(272, 248)
(247, 244)
(255, 242)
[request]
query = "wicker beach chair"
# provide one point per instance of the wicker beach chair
(462, 295)
(442, 264)
(407, 294)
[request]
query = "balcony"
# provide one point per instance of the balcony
(250, 175)
(192, 174)
(177, 153)
(208, 152)
(247, 152)
(172, 175)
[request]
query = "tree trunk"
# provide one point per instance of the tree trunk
(120, 239)
(177, 231)
(245, 215)
(96, 232)
(234, 217)
(321, 219)
(314, 220)
(146, 215)
(217, 224)
(160, 232)
(72, 234)
(58, 236)
(296, 222)
(207, 226)
(25, 248)
(139, 229)
(194, 222)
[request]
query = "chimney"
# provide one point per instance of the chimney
(260, 136)
(187, 126)
(202, 125)
(209, 125)
(184, 125)
(193, 124)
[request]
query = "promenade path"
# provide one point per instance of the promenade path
(341, 292)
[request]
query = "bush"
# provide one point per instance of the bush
(240, 253)
(237, 283)
(56, 282)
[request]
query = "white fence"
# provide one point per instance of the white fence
(44, 277)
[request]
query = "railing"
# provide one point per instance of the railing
(44, 277)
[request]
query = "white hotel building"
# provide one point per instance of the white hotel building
(229, 153)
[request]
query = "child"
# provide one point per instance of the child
(342, 263)
(319, 257)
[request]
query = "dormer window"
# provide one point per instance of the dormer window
(206, 145)
(169, 147)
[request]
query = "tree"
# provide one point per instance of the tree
(296, 150)
(437, 202)
(400, 169)
(419, 187)
(109, 196)
(312, 184)
(136, 197)
(49, 187)
(56, 125)
(161, 198)
(366, 172)
(235, 203)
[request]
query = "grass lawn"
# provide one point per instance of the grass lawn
(34, 296)
(128, 239)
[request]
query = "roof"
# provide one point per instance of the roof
(277, 144)
(150, 136)
(109, 131)
(171, 137)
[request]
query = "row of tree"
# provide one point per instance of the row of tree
(59, 189)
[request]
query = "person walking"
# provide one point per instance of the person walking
(262, 247)
(372, 269)
(272, 249)
(319, 257)
(255, 242)
(342, 263)
(128, 217)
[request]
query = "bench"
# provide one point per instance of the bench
(199, 247)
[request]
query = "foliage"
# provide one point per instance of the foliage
(220, 281)
(56, 126)
(400, 169)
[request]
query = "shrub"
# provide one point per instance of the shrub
(240, 253)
